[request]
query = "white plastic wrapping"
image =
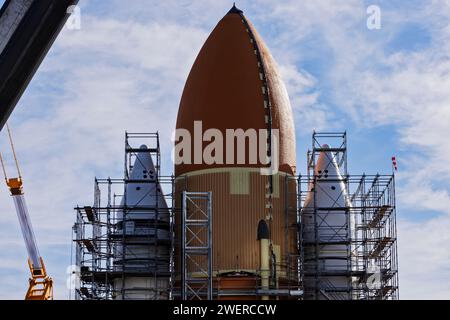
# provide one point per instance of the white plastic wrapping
(27, 230)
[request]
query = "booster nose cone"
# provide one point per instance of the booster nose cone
(327, 167)
(144, 191)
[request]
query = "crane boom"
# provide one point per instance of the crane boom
(40, 284)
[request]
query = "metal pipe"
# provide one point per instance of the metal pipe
(264, 242)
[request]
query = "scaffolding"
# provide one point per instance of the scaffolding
(106, 234)
(367, 234)
(292, 256)
(196, 247)
(103, 247)
(375, 241)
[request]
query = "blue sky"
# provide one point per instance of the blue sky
(125, 70)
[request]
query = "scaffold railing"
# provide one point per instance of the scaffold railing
(196, 246)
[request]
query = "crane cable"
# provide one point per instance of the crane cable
(14, 155)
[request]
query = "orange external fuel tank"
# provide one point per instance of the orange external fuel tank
(234, 84)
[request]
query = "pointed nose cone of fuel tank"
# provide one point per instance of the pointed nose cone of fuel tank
(234, 83)
(234, 9)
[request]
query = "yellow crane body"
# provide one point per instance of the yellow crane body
(40, 284)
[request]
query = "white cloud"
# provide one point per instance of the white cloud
(304, 96)
(424, 258)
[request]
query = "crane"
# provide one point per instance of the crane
(40, 284)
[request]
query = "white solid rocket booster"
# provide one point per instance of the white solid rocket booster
(143, 226)
(326, 233)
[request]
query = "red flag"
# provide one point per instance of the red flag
(394, 163)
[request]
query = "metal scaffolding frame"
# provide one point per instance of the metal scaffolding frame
(318, 234)
(375, 241)
(369, 233)
(370, 236)
(196, 246)
(99, 233)
(292, 257)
